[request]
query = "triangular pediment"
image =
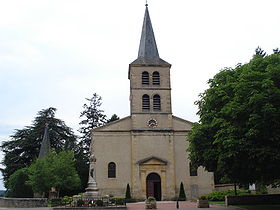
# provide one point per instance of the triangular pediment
(152, 160)
(123, 124)
(180, 124)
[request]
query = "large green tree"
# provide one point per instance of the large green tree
(24, 145)
(55, 170)
(238, 134)
(92, 117)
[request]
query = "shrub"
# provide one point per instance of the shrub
(220, 195)
(127, 193)
(55, 202)
(80, 203)
(67, 200)
(151, 198)
(182, 195)
(118, 200)
(203, 197)
(99, 203)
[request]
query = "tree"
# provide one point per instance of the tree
(239, 129)
(127, 192)
(113, 118)
(17, 186)
(55, 170)
(82, 167)
(182, 194)
(93, 117)
(24, 146)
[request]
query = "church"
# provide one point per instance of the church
(147, 149)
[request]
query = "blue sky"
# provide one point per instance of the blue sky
(57, 53)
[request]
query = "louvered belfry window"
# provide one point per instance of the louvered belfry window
(145, 102)
(145, 78)
(112, 170)
(156, 102)
(156, 78)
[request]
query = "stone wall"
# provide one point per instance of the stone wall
(253, 199)
(222, 187)
(23, 202)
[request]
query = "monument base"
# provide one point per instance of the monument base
(91, 191)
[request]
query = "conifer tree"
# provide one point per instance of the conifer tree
(182, 195)
(24, 145)
(93, 117)
(127, 193)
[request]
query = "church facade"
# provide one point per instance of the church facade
(147, 149)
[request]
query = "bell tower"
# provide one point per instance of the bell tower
(150, 89)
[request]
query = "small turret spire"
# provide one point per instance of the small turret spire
(45, 145)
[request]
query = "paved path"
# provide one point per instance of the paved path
(46, 208)
(171, 205)
(166, 205)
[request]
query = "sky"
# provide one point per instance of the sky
(56, 53)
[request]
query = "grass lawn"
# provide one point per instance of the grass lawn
(217, 202)
(260, 207)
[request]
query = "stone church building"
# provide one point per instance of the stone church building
(148, 148)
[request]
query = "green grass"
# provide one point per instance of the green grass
(260, 207)
(217, 202)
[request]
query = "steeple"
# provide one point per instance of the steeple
(45, 145)
(148, 52)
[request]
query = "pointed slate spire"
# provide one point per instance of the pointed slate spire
(45, 145)
(148, 52)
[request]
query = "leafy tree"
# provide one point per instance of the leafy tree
(127, 192)
(24, 146)
(182, 194)
(55, 170)
(113, 118)
(17, 186)
(93, 117)
(239, 129)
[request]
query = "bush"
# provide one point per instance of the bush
(99, 203)
(151, 198)
(118, 200)
(220, 195)
(182, 194)
(80, 203)
(127, 193)
(203, 197)
(67, 200)
(55, 202)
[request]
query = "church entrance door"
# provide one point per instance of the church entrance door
(153, 186)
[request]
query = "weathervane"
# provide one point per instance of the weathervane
(146, 3)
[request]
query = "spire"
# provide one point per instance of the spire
(45, 145)
(148, 52)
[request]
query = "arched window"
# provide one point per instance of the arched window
(145, 78)
(193, 170)
(145, 102)
(112, 170)
(156, 102)
(156, 78)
